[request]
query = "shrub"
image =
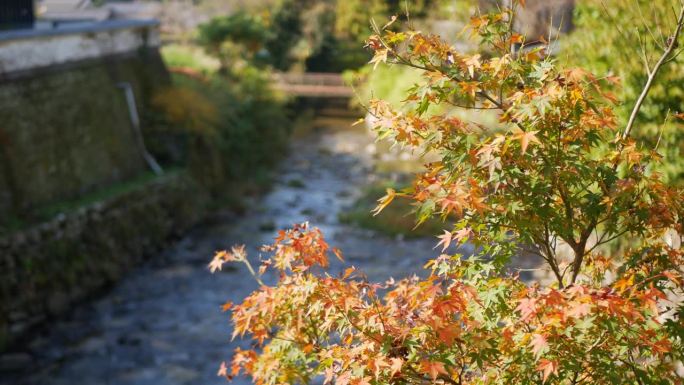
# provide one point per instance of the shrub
(560, 171)
(237, 125)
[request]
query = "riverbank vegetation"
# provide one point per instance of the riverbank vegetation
(234, 124)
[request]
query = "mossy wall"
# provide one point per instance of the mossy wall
(66, 130)
(47, 268)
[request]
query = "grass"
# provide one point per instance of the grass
(397, 219)
(187, 56)
(41, 214)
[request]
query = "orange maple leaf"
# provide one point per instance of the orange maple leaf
(579, 310)
(227, 306)
(432, 368)
(547, 367)
(525, 138)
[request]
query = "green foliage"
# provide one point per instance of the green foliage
(306, 36)
(236, 126)
(388, 83)
(353, 18)
(187, 56)
(607, 41)
(318, 36)
(238, 35)
(286, 26)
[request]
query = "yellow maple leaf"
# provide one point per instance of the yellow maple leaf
(384, 201)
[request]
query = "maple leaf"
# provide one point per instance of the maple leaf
(525, 138)
(348, 272)
(579, 310)
(329, 373)
(527, 308)
(547, 367)
(577, 74)
(223, 370)
(470, 88)
(384, 201)
(462, 234)
(498, 63)
(343, 379)
(227, 306)
(449, 334)
(217, 262)
(472, 62)
(445, 240)
(432, 368)
(662, 346)
(624, 283)
(539, 345)
(478, 21)
(379, 57)
(516, 38)
(395, 366)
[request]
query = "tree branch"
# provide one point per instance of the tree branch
(671, 45)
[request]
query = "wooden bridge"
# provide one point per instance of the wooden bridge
(312, 85)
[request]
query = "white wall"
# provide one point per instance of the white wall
(38, 48)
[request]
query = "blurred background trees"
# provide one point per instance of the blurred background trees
(617, 38)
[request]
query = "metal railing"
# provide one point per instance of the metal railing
(312, 84)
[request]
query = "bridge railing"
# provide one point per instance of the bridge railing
(312, 84)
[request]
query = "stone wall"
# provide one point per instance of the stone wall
(65, 130)
(47, 268)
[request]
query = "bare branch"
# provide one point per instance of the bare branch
(671, 45)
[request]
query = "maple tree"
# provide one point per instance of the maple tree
(559, 169)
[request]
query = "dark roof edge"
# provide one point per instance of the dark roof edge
(77, 28)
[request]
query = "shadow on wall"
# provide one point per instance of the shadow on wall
(65, 130)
